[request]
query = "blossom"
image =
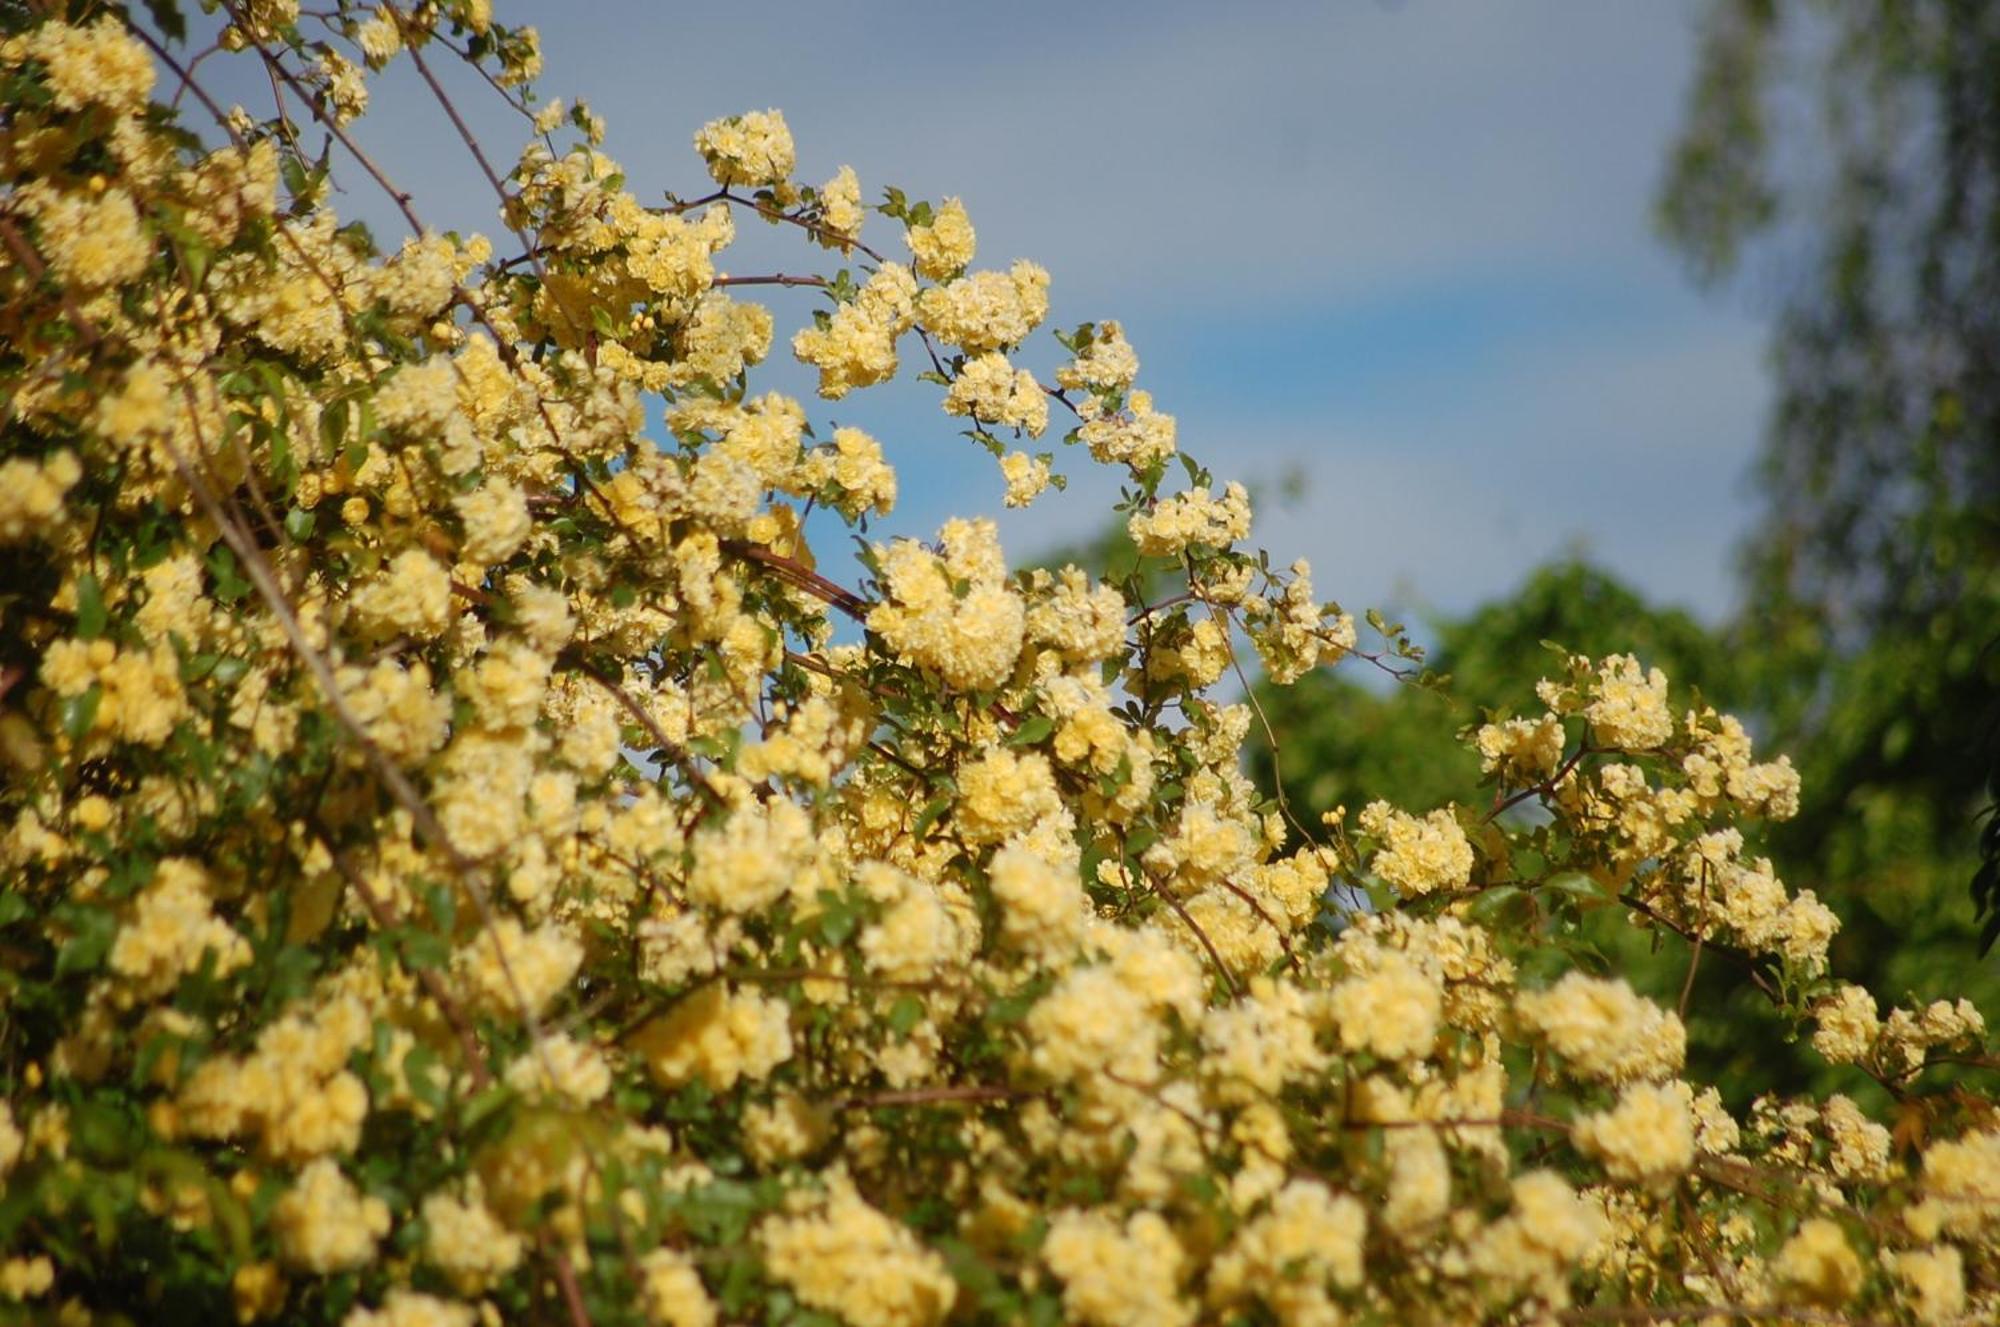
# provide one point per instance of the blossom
(987, 310)
(411, 596)
(172, 931)
(717, 1036)
(1190, 518)
(1391, 1012)
(99, 63)
(1603, 1029)
(1418, 856)
(752, 149)
(846, 1257)
(509, 970)
(993, 391)
(1628, 710)
(1106, 363)
(324, 1224)
(1117, 1274)
(1818, 1263)
(972, 639)
(1307, 1238)
(92, 240)
(1648, 1135)
(944, 245)
(467, 1242)
(840, 204)
(1043, 909)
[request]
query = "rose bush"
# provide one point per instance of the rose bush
(465, 860)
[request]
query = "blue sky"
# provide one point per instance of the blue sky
(1400, 248)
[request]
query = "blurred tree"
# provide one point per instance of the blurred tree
(1346, 742)
(1869, 644)
(1873, 634)
(1343, 742)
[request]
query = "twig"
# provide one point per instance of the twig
(1687, 986)
(32, 262)
(802, 577)
(924, 1096)
(774, 279)
(1682, 1312)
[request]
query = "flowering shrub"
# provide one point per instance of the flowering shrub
(465, 861)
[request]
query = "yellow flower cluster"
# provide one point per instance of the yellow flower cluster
(987, 310)
(754, 149)
(843, 1256)
(717, 1036)
(31, 493)
(992, 391)
(857, 346)
(943, 246)
(1195, 517)
(472, 855)
(1603, 1029)
(325, 1224)
(1418, 855)
(951, 611)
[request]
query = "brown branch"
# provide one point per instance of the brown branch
(1683, 1312)
(471, 142)
(781, 976)
(675, 752)
(37, 270)
(774, 279)
(572, 1293)
(1546, 786)
(802, 577)
(1694, 965)
(433, 984)
(1185, 596)
(924, 1096)
(1741, 956)
(1180, 910)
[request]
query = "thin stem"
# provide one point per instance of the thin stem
(774, 279)
(798, 575)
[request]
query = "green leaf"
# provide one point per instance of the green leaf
(1493, 904)
(168, 19)
(1032, 730)
(931, 814)
(422, 950)
(906, 1013)
(80, 712)
(1576, 885)
(838, 921)
(89, 606)
(443, 905)
(91, 933)
(299, 523)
